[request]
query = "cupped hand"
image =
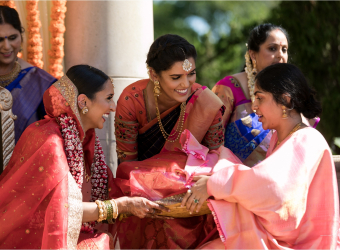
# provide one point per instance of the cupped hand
(199, 194)
(140, 207)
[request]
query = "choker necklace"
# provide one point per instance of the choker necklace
(297, 126)
(179, 128)
(6, 79)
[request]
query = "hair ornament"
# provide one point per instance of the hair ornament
(186, 64)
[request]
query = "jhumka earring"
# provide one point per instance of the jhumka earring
(84, 110)
(254, 71)
(186, 64)
(284, 115)
(156, 89)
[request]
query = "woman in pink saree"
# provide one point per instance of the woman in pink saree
(289, 200)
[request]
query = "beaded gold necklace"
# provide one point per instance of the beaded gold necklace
(6, 79)
(179, 128)
(297, 126)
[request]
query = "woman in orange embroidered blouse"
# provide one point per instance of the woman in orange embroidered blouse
(150, 118)
(138, 133)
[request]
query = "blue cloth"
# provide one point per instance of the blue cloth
(240, 139)
(27, 91)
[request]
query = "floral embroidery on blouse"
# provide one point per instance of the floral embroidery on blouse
(126, 131)
(235, 82)
(214, 138)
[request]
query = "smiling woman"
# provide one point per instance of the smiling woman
(151, 116)
(26, 83)
(58, 175)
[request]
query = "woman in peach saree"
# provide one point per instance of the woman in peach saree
(289, 200)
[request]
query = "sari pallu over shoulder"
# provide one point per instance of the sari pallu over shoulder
(39, 209)
(27, 91)
(288, 201)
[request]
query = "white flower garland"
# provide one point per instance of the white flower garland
(251, 77)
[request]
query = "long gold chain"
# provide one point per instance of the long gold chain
(6, 79)
(179, 128)
(297, 126)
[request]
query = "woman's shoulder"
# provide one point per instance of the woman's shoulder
(36, 71)
(134, 89)
(311, 135)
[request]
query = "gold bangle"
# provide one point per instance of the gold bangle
(102, 213)
(115, 208)
(109, 210)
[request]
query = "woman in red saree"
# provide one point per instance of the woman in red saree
(288, 201)
(47, 192)
(151, 115)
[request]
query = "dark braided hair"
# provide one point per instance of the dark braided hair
(167, 50)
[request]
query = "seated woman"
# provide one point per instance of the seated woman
(151, 115)
(244, 135)
(289, 200)
(26, 83)
(57, 183)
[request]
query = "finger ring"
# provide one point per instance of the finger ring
(189, 191)
(196, 200)
(153, 211)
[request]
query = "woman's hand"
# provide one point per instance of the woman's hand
(197, 195)
(140, 207)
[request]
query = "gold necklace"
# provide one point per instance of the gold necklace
(297, 126)
(6, 79)
(180, 123)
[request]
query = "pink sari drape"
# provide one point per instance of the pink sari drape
(288, 201)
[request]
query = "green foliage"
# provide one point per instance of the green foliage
(221, 49)
(314, 28)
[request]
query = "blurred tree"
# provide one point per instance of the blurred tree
(218, 29)
(314, 28)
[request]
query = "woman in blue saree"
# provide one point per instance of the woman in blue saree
(26, 83)
(244, 135)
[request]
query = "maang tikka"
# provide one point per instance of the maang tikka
(186, 64)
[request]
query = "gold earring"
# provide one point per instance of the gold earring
(156, 89)
(284, 115)
(20, 49)
(254, 71)
(84, 110)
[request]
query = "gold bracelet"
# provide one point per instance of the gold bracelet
(115, 208)
(102, 213)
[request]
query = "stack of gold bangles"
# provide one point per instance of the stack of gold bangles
(108, 210)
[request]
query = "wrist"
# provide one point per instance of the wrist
(122, 204)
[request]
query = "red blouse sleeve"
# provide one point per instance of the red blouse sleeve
(126, 128)
(214, 138)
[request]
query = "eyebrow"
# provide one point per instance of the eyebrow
(278, 44)
(258, 92)
(8, 36)
(183, 74)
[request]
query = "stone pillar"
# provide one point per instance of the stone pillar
(113, 36)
